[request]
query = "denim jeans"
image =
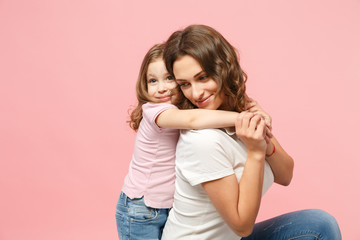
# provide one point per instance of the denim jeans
(136, 221)
(301, 225)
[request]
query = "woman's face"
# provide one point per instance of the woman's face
(196, 85)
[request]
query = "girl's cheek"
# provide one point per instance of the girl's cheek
(174, 85)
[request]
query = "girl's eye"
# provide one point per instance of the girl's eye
(152, 80)
(169, 78)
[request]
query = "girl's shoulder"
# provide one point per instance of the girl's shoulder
(152, 110)
(152, 105)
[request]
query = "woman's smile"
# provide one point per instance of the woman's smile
(203, 102)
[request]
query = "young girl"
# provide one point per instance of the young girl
(148, 190)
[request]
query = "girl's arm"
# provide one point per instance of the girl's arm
(238, 203)
(280, 162)
(196, 118)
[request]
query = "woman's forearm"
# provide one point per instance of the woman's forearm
(238, 202)
(250, 192)
(280, 162)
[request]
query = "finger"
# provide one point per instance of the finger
(241, 121)
(249, 105)
(247, 119)
(267, 139)
(269, 135)
(254, 122)
(260, 130)
(268, 132)
(268, 120)
(268, 126)
(252, 108)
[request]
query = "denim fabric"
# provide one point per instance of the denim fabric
(301, 225)
(136, 221)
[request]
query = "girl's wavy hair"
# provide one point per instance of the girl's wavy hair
(217, 57)
(154, 53)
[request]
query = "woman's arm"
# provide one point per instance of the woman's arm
(196, 119)
(280, 162)
(238, 203)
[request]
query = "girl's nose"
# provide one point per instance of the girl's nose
(162, 87)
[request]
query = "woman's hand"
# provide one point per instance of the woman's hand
(251, 129)
(281, 163)
(254, 107)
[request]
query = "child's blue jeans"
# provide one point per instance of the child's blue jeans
(136, 221)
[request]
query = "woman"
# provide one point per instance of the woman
(221, 174)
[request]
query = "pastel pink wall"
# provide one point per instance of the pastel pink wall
(67, 77)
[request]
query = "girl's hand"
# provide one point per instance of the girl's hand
(251, 129)
(254, 107)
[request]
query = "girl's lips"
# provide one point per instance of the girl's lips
(164, 98)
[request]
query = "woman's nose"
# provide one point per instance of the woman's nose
(197, 92)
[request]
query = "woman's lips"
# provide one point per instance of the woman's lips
(203, 102)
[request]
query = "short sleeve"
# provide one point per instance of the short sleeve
(203, 155)
(152, 110)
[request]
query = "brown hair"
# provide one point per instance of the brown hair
(141, 85)
(217, 57)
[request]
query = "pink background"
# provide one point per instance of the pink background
(68, 72)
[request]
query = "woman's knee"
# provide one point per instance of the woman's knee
(324, 222)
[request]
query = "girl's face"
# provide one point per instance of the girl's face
(196, 85)
(160, 83)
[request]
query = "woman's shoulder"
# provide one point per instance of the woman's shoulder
(204, 132)
(218, 132)
(204, 136)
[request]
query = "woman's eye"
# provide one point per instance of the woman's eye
(170, 78)
(203, 77)
(183, 85)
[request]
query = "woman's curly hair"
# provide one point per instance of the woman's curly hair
(217, 57)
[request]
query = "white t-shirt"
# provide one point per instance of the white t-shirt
(201, 156)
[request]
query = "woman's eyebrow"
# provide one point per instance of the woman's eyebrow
(196, 75)
(180, 80)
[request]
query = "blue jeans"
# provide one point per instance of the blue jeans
(136, 221)
(301, 225)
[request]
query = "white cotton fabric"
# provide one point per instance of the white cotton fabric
(201, 156)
